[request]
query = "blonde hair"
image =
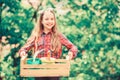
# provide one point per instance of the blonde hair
(38, 29)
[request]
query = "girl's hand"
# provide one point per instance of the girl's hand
(69, 56)
(23, 55)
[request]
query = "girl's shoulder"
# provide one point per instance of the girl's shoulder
(31, 38)
(61, 35)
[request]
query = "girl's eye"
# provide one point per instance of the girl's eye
(46, 18)
(52, 19)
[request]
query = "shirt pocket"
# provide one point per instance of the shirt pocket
(48, 44)
(40, 42)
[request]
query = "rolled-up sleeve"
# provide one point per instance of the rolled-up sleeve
(29, 44)
(70, 46)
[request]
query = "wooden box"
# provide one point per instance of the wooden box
(61, 67)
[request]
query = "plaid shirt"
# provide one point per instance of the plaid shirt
(44, 42)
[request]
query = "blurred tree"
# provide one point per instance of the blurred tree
(16, 26)
(97, 35)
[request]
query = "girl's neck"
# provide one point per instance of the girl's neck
(46, 31)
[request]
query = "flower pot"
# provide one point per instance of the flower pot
(36, 61)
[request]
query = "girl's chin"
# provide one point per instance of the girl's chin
(49, 28)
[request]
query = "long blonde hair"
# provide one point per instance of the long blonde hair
(38, 29)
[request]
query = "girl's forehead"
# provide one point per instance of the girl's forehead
(48, 14)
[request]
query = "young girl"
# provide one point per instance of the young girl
(46, 37)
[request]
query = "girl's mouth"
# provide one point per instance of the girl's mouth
(49, 24)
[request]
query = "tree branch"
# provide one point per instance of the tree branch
(36, 10)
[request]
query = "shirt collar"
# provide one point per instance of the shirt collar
(43, 33)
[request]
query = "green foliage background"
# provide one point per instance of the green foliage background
(92, 25)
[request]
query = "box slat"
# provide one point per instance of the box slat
(44, 73)
(46, 66)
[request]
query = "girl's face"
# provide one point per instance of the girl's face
(48, 20)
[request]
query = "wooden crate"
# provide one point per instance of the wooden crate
(61, 67)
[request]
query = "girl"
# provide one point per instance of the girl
(46, 36)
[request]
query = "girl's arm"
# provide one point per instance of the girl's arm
(72, 48)
(29, 44)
